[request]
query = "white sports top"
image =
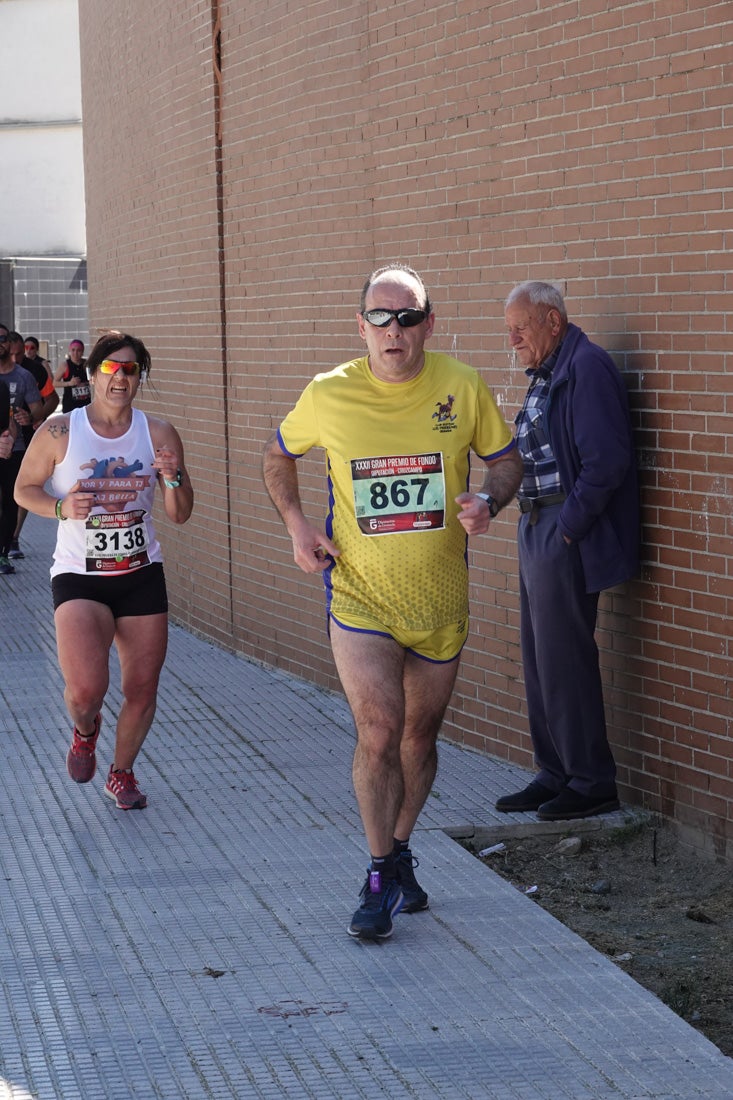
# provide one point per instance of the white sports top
(118, 537)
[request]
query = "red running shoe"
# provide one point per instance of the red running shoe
(123, 788)
(81, 760)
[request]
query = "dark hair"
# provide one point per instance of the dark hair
(112, 341)
(32, 340)
(79, 342)
(394, 267)
(15, 338)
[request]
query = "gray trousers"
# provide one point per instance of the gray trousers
(560, 657)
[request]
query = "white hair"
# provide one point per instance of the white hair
(538, 293)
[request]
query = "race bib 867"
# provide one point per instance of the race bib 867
(398, 493)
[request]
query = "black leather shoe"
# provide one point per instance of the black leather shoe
(569, 804)
(531, 798)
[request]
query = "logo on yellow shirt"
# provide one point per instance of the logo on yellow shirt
(444, 415)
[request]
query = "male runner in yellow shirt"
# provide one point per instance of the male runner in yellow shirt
(398, 426)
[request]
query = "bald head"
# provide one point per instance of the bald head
(397, 275)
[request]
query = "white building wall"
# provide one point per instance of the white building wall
(42, 177)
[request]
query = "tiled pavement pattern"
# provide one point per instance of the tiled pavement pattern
(198, 948)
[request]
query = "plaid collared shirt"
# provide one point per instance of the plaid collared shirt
(541, 477)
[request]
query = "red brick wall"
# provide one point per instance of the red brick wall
(484, 143)
(153, 248)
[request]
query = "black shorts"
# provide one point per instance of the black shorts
(141, 592)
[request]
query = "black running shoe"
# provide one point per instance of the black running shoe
(381, 899)
(415, 898)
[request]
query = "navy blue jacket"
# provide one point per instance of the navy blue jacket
(588, 423)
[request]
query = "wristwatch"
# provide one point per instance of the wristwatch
(493, 506)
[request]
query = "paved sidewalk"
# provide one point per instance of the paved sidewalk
(198, 948)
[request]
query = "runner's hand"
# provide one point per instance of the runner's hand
(312, 549)
(474, 515)
(77, 504)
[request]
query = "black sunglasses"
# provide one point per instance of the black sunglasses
(406, 318)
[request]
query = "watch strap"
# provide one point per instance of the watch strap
(493, 506)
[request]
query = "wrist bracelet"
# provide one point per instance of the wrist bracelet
(58, 511)
(176, 482)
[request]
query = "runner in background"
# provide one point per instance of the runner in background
(71, 377)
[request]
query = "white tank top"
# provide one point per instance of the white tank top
(118, 537)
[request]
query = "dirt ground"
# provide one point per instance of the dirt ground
(662, 912)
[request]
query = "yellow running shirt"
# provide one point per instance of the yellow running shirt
(398, 455)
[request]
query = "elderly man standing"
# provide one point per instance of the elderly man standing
(397, 426)
(578, 534)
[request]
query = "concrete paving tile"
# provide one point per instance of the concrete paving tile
(198, 948)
